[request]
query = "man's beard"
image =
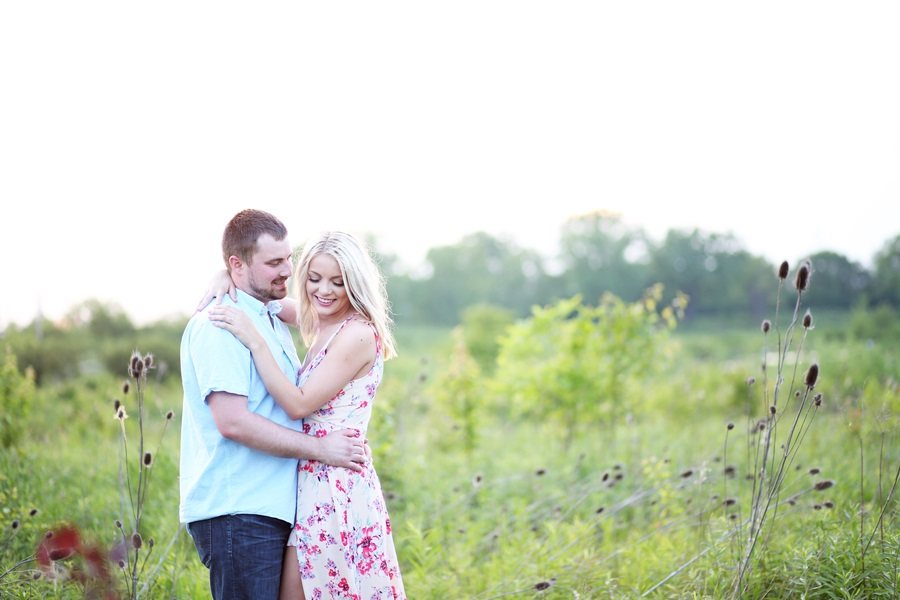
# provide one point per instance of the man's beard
(266, 294)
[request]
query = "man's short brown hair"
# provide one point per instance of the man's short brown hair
(244, 229)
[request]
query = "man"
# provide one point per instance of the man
(239, 449)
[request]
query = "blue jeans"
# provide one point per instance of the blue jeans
(243, 554)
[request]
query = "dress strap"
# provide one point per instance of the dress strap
(337, 331)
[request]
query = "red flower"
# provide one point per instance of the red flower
(321, 432)
(343, 584)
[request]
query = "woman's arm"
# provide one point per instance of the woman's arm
(349, 353)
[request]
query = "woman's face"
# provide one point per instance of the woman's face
(325, 288)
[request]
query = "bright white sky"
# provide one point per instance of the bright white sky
(131, 132)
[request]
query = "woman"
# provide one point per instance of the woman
(341, 545)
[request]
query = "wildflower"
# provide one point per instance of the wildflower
(151, 542)
(807, 319)
(783, 270)
(730, 426)
(148, 361)
(32, 512)
(766, 326)
(772, 409)
(118, 524)
(817, 399)
(542, 585)
(476, 481)
(121, 414)
(812, 375)
(169, 415)
(823, 485)
(814, 471)
(148, 459)
(136, 540)
(126, 387)
(116, 405)
(751, 380)
(14, 525)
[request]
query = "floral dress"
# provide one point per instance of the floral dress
(342, 531)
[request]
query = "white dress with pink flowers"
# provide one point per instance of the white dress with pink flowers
(342, 531)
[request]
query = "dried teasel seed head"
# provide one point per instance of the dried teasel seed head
(121, 414)
(772, 409)
(807, 319)
(783, 270)
(148, 361)
(801, 282)
(121, 564)
(823, 485)
(812, 375)
(766, 325)
(136, 540)
(133, 364)
(148, 459)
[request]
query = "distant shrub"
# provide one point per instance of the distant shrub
(17, 391)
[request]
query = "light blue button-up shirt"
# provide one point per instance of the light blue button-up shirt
(220, 476)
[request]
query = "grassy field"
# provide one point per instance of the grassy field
(653, 500)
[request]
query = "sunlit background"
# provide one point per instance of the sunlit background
(130, 133)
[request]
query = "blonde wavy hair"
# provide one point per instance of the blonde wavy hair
(363, 280)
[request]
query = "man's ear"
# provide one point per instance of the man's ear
(235, 264)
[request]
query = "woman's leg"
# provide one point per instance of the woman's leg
(291, 586)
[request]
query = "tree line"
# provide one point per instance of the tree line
(599, 255)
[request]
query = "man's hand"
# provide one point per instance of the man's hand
(343, 448)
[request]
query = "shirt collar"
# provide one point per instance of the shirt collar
(273, 307)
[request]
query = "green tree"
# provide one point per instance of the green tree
(570, 362)
(839, 282)
(482, 326)
(885, 285)
(601, 254)
(481, 268)
(17, 393)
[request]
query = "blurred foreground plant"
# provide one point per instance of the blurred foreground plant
(132, 553)
(771, 453)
